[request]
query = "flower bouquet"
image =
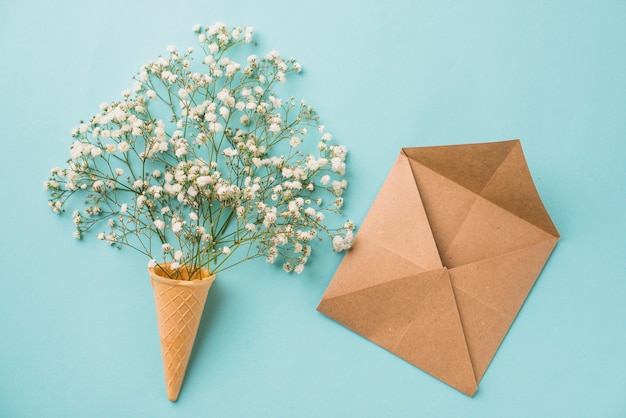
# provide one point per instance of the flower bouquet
(202, 166)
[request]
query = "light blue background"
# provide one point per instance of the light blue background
(78, 336)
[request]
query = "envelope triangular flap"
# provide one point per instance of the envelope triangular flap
(367, 264)
(471, 165)
(512, 188)
(382, 313)
(491, 292)
(397, 220)
(468, 227)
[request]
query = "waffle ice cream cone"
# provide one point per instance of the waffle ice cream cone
(179, 306)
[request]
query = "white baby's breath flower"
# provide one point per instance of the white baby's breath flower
(177, 226)
(96, 151)
(138, 184)
(338, 243)
(274, 127)
(229, 152)
(123, 146)
(339, 187)
(338, 166)
(216, 127)
(204, 180)
(295, 141)
(248, 34)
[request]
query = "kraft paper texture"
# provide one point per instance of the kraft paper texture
(445, 258)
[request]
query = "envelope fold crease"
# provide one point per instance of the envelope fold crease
(504, 281)
(435, 341)
(382, 312)
(396, 220)
(382, 265)
(512, 188)
(489, 231)
(484, 328)
(471, 167)
(446, 204)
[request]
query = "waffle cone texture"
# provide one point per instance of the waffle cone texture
(179, 306)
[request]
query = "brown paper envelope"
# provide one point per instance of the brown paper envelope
(445, 258)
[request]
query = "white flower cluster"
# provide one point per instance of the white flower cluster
(202, 158)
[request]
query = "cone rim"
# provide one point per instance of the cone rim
(206, 278)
